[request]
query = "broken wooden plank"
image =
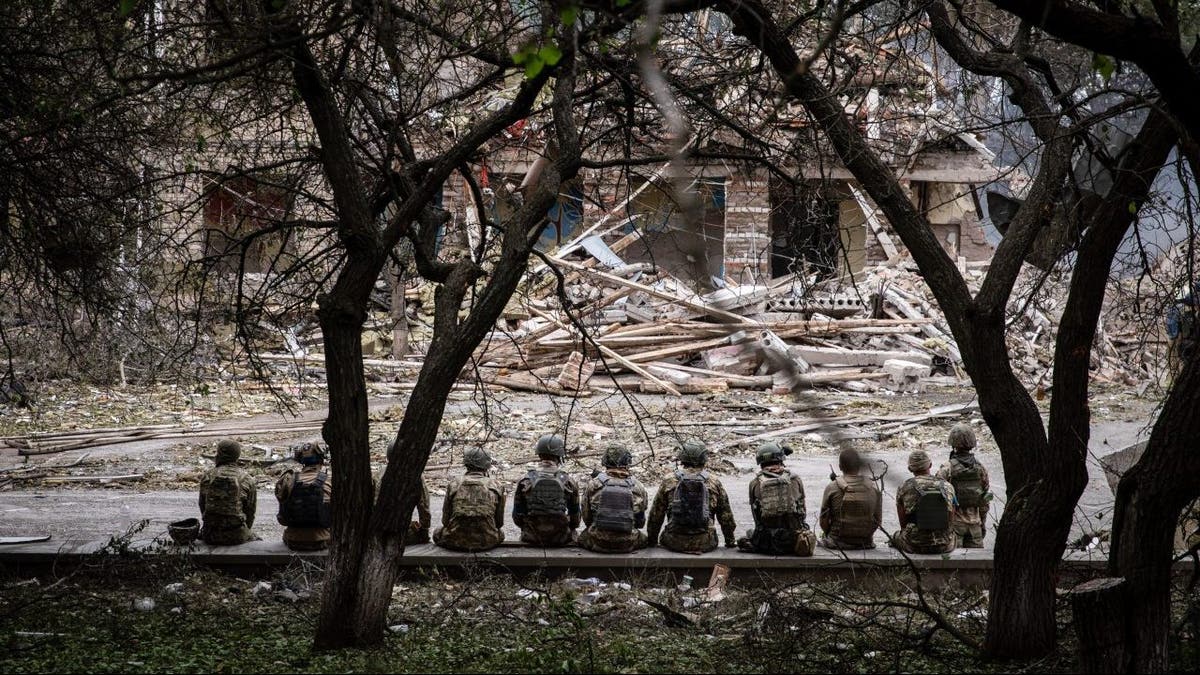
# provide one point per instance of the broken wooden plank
(620, 359)
(94, 479)
(694, 386)
(735, 381)
(856, 357)
(696, 306)
(889, 247)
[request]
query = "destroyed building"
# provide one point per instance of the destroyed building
(738, 231)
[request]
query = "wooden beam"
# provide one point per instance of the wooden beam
(607, 351)
(889, 247)
(696, 306)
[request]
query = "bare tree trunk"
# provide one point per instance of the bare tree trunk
(399, 315)
(1028, 549)
(353, 555)
(1145, 520)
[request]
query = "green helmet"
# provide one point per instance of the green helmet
(692, 452)
(617, 456)
(918, 460)
(228, 451)
(962, 436)
(184, 531)
(551, 444)
(477, 458)
(308, 453)
(771, 453)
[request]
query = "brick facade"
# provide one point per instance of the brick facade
(747, 227)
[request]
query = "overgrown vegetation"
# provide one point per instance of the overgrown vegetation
(99, 619)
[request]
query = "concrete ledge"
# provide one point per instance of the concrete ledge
(515, 556)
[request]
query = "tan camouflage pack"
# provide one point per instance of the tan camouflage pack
(475, 498)
(223, 494)
(858, 502)
(775, 499)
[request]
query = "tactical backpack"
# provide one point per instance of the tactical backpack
(932, 511)
(689, 503)
(224, 495)
(306, 505)
(966, 475)
(775, 500)
(858, 503)
(547, 493)
(614, 505)
(474, 499)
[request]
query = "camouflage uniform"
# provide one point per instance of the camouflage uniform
(678, 539)
(970, 522)
(604, 541)
(1182, 332)
(542, 530)
(779, 535)
(303, 538)
(834, 522)
(467, 531)
(228, 499)
(418, 530)
(912, 539)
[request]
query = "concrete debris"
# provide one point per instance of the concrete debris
(576, 584)
(637, 327)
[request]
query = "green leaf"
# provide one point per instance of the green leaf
(1103, 65)
(534, 66)
(568, 15)
(1133, 207)
(550, 54)
(126, 7)
(624, 3)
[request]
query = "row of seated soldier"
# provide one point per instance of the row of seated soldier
(938, 512)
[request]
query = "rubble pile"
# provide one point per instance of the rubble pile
(1126, 348)
(645, 330)
(638, 327)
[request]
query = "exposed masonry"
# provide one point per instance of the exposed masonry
(736, 241)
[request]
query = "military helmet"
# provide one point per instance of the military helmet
(771, 453)
(918, 460)
(184, 532)
(228, 451)
(551, 444)
(692, 452)
(308, 453)
(962, 436)
(617, 456)
(477, 458)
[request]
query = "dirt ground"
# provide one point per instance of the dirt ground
(507, 424)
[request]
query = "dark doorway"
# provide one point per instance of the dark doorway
(804, 228)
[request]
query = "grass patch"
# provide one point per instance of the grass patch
(204, 621)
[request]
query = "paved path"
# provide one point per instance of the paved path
(100, 513)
